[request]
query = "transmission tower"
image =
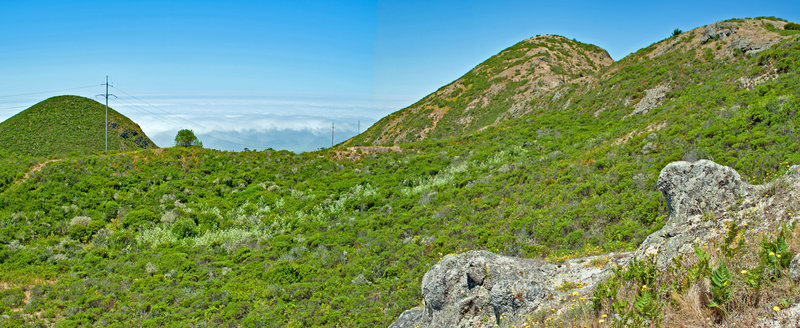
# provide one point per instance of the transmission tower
(106, 95)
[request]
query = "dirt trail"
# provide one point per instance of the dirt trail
(35, 168)
(27, 289)
(358, 152)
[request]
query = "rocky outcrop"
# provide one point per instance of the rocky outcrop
(726, 39)
(736, 37)
(652, 98)
(480, 288)
(700, 187)
(697, 194)
(794, 268)
(750, 83)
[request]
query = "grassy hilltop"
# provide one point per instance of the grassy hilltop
(69, 124)
(503, 159)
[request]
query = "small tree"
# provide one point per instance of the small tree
(676, 32)
(186, 138)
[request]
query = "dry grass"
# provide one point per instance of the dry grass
(688, 304)
(692, 308)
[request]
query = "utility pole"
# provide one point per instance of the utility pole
(106, 95)
(331, 134)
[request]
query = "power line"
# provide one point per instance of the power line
(177, 121)
(176, 118)
(106, 95)
(17, 107)
(49, 91)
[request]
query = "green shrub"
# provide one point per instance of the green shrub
(110, 209)
(11, 298)
(720, 286)
(392, 272)
(792, 26)
(184, 228)
(82, 228)
(79, 232)
(775, 254)
(288, 273)
(207, 220)
(137, 218)
(647, 305)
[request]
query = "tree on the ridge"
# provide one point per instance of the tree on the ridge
(186, 138)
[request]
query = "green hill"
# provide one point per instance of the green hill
(198, 237)
(69, 124)
(547, 73)
(500, 88)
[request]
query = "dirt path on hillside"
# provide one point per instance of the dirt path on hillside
(35, 168)
(358, 152)
(27, 296)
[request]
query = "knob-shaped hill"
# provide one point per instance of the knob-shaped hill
(67, 124)
(500, 88)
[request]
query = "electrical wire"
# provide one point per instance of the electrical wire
(174, 119)
(17, 107)
(49, 91)
(159, 114)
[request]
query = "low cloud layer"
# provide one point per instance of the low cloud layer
(235, 123)
(255, 123)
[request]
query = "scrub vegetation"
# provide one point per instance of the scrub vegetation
(187, 236)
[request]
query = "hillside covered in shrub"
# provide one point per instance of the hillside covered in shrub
(69, 124)
(196, 237)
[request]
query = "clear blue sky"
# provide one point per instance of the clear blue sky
(257, 68)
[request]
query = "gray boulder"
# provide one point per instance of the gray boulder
(695, 193)
(652, 98)
(716, 31)
(700, 187)
(480, 288)
(409, 318)
(794, 268)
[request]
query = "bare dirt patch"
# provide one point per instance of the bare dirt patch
(36, 168)
(27, 289)
(358, 152)
(650, 128)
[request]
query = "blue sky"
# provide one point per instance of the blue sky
(261, 74)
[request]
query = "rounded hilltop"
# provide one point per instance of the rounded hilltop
(69, 124)
(497, 89)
